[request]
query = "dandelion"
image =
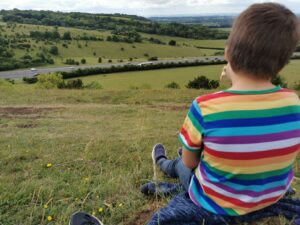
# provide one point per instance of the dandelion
(49, 165)
(100, 210)
(121, 205)
(49, 218)
(45, 206)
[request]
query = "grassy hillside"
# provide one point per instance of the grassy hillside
(18, 35)
(157, 79)
(69, 150)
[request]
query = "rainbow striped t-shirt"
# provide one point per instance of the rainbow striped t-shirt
(249, 141)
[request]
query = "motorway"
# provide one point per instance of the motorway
(13, 74)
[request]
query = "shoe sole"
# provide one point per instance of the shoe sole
(95, 218)
(152, 154)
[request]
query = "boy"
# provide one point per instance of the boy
(239, 144)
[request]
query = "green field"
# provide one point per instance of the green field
(157, 79)
(92, 50)
(96, 144)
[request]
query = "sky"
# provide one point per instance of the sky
(144, 7)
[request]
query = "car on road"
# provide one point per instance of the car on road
(145, 63)
(33, 71)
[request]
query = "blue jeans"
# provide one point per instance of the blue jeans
(182, 211)
(176, 169)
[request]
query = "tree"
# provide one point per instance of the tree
(99, 60)
(53, 50)
(67, 36)
(172, 43)
(83, 61)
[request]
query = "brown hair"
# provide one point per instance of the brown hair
(263, 39)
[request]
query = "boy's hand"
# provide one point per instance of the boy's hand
(223, 74)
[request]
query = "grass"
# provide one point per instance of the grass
(108, 50)
(157, 79)
(69, 150)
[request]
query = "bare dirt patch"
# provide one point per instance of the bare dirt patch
(32, 112)
(143, 216)
(28, 125)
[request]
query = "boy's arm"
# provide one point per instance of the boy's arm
(190, 159)
(190, 136)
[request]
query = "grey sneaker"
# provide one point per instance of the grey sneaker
(82, 218)
(158, 152)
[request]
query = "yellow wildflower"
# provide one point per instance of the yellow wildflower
(49, 218)
(93, 213)
(45, 206)
(100, 210)
(121, 205)
(49, 165)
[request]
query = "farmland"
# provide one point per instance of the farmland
(117, 39)
(157, 79)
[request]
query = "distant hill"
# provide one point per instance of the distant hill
(110, 22)
(209, 21)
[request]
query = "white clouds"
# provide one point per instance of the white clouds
(141, 7)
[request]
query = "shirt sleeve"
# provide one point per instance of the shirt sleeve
(192, 130)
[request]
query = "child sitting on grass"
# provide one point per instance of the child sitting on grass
(239, 145)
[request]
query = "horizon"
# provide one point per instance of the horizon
(145, 8)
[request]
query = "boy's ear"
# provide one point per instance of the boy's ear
(226, 54)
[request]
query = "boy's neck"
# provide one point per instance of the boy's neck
(241, 81)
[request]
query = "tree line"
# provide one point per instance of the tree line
(110, 22)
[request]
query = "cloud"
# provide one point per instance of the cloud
(141, 7)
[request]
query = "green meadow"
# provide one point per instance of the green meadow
(158, 79)
(68, 150)
(114, 51)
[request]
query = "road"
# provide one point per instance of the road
(28, 73)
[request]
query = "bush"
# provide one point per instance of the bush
(4, 82)
(53, 50)
(172, 43)
(83, 61)
(12, 81)
(71, 62)
(73, 84)
(99, 60)
(296, 86)
(30, 80)
(93, 85)
(153, 58)
(203, 82)
(49, 81)
(279, 80)
(173, 85)
(138, 67)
